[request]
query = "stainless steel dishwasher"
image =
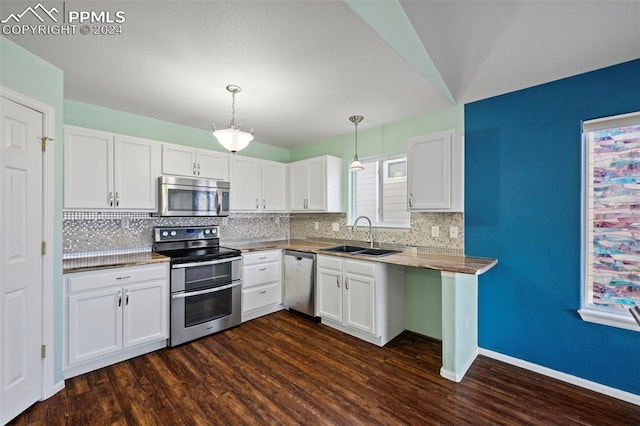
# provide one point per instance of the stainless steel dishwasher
(299, 281)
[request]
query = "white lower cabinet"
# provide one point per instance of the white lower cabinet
(114, 314)
(261, 283)
(361, 298)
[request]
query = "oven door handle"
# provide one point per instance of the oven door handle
(205, 263)
(210, 290)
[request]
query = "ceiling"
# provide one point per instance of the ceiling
(306, 66)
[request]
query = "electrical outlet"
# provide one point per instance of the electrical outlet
(435, 231)
(335, 226)
(316, 225)
(124, 222)
(453, 231)
(225, 221)
(277, 220)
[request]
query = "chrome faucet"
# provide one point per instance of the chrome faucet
(355, 222)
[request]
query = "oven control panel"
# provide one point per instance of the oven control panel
(183, 233)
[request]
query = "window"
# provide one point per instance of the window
(611, 242)
(380, 192)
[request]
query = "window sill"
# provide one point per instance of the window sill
(610, 319)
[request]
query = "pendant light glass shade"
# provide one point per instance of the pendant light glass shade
(232, 138)
(356, 165)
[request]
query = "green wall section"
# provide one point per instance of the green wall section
(27, 74)
(423, 301)
(111, 120)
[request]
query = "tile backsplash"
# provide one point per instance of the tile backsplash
(122, 232)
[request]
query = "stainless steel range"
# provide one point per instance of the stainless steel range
(205, 281)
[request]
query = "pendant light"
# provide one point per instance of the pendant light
(356, 165)
(232, 138)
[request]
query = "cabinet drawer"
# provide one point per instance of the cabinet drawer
(81, 281)
(261, 257)
(360, 267)
(258, 297)
(261, 274)
(330, 262)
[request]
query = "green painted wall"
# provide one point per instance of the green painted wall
(111, 120)
(423, 310)
(25, 73)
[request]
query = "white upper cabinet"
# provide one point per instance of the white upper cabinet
(257, 185)
(436, 172)
(185, 161)
(315, 185)
(244, 175)
(274, 186)
(107, 171)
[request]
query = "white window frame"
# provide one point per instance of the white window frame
(588, 311)
(353, 191)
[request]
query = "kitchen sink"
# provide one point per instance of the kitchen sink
(344, 249)
(360, 250)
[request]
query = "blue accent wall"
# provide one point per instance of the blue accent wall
(523, 206)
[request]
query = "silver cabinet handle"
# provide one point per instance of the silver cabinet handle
(262, 257)
(198, 169)
(411, 200)
(117, 199)
(338, 281)
(126, 302)
(124, 277)
(262, 292)
(262, 269)
(119, 298)
(257, 203)
(110, 199)
(194, 169)
(264, 204)
(346, 283)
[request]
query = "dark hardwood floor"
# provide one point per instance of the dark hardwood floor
(284, 369)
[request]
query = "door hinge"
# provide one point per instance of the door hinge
(44, 143)
(43, 351)
(44, 248)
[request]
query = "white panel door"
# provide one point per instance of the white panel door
(274, 186)
(317, 185)
(178, 160)
(299, 184)
(429, 171)
(145, 313)
(212, 165)
(137, 167)
(20, 258)
(95, 324)
(244, 175)
(329, 294)
(359, 304)
(88, 169)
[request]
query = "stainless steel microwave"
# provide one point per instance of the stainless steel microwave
(181, 196)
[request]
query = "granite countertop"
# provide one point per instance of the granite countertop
(91, 263)
(460, 264)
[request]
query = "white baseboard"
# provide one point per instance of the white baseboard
(568, 378)
(450, 375)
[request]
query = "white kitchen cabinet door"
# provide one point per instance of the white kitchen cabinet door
(137, 167)
(244, 175)
(299, 184)
(317, 184)
(212, 165)
(88, 169)
(436, 172)
(274, 186)
(94, 324)
(359, 303)
(145, 312)
(329, 294)
(178, 160)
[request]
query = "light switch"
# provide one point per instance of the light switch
(316, 225)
